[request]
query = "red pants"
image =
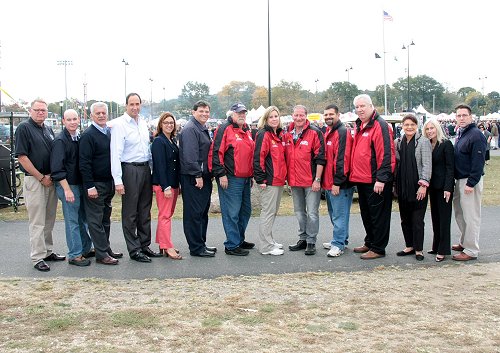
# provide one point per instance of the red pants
(166, 208)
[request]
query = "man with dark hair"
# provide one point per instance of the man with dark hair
(373, 161)
(196, 180)
(470, 149)
(338, 144)
(130, 158)
(95, 167)
(33, 147)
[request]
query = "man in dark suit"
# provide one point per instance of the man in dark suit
(95, 167)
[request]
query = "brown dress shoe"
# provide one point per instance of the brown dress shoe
(370, 255)
(108, 260)
(463, 257)
(457, 247)
(361, 249)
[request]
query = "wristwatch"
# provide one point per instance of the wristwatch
(317, 179)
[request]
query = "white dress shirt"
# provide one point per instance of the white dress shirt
(129, 143)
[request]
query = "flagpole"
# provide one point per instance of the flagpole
(383, 47)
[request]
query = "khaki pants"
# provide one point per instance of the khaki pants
(41, 203)
(270, 199)
(468, 215)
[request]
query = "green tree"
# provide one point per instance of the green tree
(237, 91)
(190, 94)
(286, 95)
(493, 102)
(465, 91)
(342, 94)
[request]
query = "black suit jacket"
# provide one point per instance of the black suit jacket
(443, 166)
(166, 164)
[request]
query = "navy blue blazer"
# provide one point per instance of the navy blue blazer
(166, 164)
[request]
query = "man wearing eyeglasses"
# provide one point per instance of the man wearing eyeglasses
(470, 150)
(33, 144)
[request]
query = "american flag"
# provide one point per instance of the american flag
(387, 17)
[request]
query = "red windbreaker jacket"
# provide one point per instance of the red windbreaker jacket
(304, 155)
(372, 157)
(338, 145)
(231, 152)
(269, 166)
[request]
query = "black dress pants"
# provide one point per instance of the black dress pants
(98, 212)
(136, 206)
(441, 221)
(412, 222)
(196, 204)
(376, 215)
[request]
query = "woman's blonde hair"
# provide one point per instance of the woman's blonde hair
(263, 119)
(439, 130)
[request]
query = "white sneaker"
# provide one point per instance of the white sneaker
(278, 245)
(334, 252)
(327, 245)
(275, 252)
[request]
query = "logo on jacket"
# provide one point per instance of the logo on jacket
(238, 138)
(329, 143)
(306, 143)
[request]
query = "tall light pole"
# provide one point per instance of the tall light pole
(482, 79)
(408, 71)
(125, 64)
(150, 79)
(65, 63)
(316, 82)
(268, 58)
(348, 70)
(164, 101)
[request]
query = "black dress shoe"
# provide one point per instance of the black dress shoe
(91, 253)
(247, 245)
(204, 253)
(150, 252)
(108, 260)
(404, 253)
(301, 245)
(237, 251)
(432, 252)
(140, 257)
(42, 266)
(419, 257)
(55, 257)
(211, 248)
(116, 255)
(310, 249)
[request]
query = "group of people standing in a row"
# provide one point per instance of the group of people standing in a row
(116, 156)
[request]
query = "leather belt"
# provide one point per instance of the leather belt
(137, 164)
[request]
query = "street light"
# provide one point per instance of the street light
(316, 82)
(348, 70)
(408, 71)
(268, 58)
(61, 106)
(482, 79)
(125, 64)
(150, 79)
(65, 63)
(164, 101)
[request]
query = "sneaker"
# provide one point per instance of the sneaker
(237, 251)
(334, 252)
(327, 245)
(278, 245)
(79, 261)
(275, 251)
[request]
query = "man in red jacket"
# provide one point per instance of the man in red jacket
(305, 158)
(372, 167)
(339, 191)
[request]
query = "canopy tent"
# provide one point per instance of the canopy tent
(421, 110)
(254, 115)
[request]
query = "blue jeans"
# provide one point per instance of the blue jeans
(236, 210)
(339, 209)
(75, 222)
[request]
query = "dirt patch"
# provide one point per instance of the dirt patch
(453, 308)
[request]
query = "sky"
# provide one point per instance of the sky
(313, 42)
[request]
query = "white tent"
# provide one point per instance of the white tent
(421, 110)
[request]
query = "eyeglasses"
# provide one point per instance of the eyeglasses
(39, 110)
(168, 123)
(462, 115)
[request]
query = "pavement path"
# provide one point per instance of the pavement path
(15, 261)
